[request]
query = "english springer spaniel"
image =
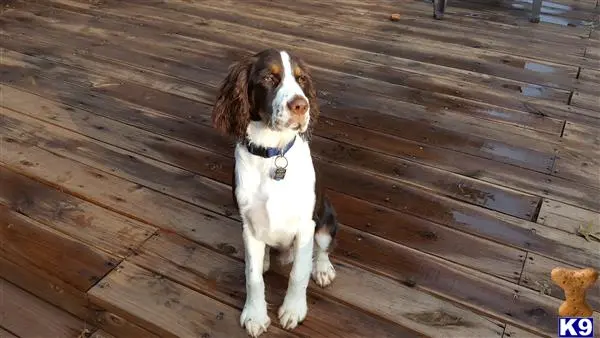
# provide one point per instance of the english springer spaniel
(268, 103)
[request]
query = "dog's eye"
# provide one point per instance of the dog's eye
(301, 79)
(271, 79)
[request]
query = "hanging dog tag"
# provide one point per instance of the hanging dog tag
(280, 164)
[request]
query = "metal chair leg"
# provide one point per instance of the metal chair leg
(439, 6)
(536, 9)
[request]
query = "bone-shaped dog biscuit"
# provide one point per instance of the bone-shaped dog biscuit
(575, 284)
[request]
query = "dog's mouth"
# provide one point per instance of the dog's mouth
(290, 125)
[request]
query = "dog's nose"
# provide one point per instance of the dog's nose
(298, 105)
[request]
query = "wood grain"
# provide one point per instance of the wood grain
(406, 194)
(582, 134)
(6, 334)
(451, 100)
(183, 217)
(536, 276)
(68, 214)
(586, 100)
(567, 217)
(440, 141)
(27, 316)
(167, 307)
(462, 188)
(222, 278)
(583, 167)
(101, 334)
(511, 331)
(200, 92)
(62, 256)
(499, 148)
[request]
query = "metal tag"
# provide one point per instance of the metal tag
(279, 174)
(280, 164)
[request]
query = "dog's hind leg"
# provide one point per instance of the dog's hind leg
(267, 259)
(323, 271)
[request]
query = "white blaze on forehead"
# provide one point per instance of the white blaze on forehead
(288, 87)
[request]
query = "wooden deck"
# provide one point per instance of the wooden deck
(463, 158)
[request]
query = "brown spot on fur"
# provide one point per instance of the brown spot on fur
(275, 69)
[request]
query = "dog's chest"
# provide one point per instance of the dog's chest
(276, 210)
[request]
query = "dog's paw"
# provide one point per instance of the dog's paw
(293, 311)
(255, 319)
(323, 272)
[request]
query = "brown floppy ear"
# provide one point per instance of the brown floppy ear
(231, 112)
(311, 93)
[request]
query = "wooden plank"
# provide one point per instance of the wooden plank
(46, 284)
(439, 209)
(167, 307)
(466, 13)
(124, 196)
(220, 55)
(226, 207)
(394, 191)
(101, 334)
(56, 253)
(444, 103)
(586, 100)
(226, 275)
(172, 214)
(346, 23)
(462, 188)
(514, 151)
(592, 53)
(222, 278)
(447, 100)
(567, 217)
(79, 219)
(6, 334)
(162, 64)
(530, 106)
(367, 69)
(460, 57)
(583, 134)
(415, 19)
(589, 75)
(536, 276)
(582, 167)
(511, 331)
(499, 155)
(25, 315)
(427, 236)
(45, 135)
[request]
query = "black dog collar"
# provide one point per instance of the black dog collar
(267, 152)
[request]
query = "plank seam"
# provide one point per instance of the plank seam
(2, 326)
(132, 252)
(538, 209)
(204, 208)
(562, 130)
(520, 281)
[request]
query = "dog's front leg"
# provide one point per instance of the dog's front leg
(254, 316)
(294, 308)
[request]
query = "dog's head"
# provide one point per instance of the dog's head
(272, 86)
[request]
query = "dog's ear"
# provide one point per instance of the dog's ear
(231, 112)
(311, 93)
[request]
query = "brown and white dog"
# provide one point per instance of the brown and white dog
(268, 103)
